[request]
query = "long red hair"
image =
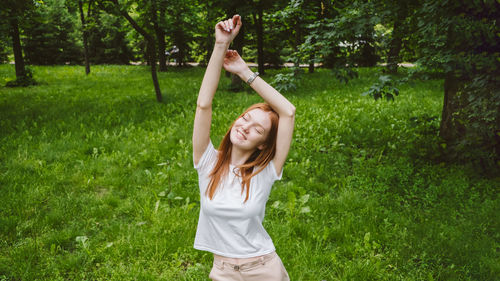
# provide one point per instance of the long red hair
(260, 158)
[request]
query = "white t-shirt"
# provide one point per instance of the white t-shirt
(227, 226)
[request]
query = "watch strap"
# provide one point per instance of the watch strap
(254, 75)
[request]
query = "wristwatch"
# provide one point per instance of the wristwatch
(254, 75)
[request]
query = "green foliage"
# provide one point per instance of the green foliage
(345, 37)
(50, 36)
(458, 36)
(294, 207)
(344, 74)
(5, 43)
(181, 25)
(460, 40)
(383, 89)
(479, 103)
(110, 39)
(285, 82)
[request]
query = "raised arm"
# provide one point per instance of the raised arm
(225, 31)
(286, 111)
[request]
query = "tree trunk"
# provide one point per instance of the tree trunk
(16, 46)
(311, 59)
(162, 47)
(210, 35)
(150, 48)
(296, 63)
(395, 48)
(450, 130)
(396, 41)
(160, 35)
(85, 36)
(260, 38)
(311, 64)
(497, 137)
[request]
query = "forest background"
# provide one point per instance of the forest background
(359, 46)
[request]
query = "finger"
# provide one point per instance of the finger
(226, 23)
(220, 25)
(237, 22)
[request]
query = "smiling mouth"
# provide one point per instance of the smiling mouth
(241, 134)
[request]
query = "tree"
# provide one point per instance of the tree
(397, 18)
(16, 46)
(150, 40)
(158, 19)
(338, 35)
(14, 12)
(292, 17)
(398, 32)
(5, 42)
(108, 40)
(50, 36)
(460, 39)
(182, 23)
(85, 33)
(257, 17)
(243, 9)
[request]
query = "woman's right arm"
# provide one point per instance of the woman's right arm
(225, 31)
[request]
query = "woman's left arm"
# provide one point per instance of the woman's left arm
(286, 110)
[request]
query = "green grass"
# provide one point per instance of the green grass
(97, 182)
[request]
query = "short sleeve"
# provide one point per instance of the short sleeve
(207, 159)
(270, 174)
(276, 175)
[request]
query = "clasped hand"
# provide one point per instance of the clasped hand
(226, 31)
(234, 63)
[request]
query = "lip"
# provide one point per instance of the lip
(240, 135)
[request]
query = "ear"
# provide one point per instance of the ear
(261, 147)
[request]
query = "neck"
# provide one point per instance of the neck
(238, 156)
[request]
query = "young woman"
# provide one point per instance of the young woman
(235, 180)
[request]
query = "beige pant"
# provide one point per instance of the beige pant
(267, 267)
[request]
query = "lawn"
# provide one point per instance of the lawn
(97, 181)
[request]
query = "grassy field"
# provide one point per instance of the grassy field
(97, 181)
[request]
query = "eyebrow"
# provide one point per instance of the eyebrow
(256, 122)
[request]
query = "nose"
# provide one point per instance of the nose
(245, 127)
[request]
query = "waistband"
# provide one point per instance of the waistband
(221, 263)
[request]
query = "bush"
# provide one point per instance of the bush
(382, 89)
(284, 82)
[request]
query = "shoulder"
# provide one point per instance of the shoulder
(269, 172)
(207, 159)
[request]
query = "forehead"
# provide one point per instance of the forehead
(261, 117)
